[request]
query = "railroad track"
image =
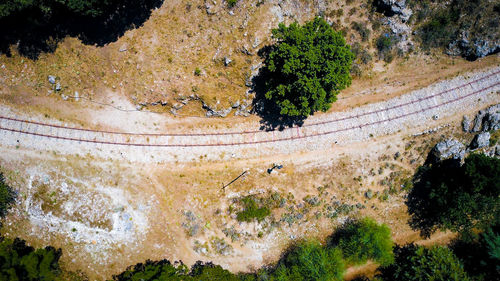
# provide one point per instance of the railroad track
(365, 120)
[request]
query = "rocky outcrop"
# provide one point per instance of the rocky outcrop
(450, 148)
(473, 48)
(480, 140)
(487, 119)
(394, 7)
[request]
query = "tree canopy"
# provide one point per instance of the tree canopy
(417, 263)
(21, 262)
(456, 197)
(306, 68)
(91, 8)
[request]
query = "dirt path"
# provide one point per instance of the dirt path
(418, 109)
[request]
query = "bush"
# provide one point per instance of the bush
(231, 3)
(365, 240)
(21, 262)
(417, 263)
(457, 198)
(310, 262)
(362, 30)
(7, 196)
(306, 68)
(252, 211)
(384, 45)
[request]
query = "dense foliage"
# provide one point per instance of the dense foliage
(47, 7)
(310, 262)
(456, 197)
(7, 196)
(21, 262)
(481, 256)
(164, 270)
(306, 68)
(417, 263)
(365, 240)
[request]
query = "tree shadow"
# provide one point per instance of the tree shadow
(425, 214)
(34, 33)
(265, 108)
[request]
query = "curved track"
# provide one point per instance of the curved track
(374, 119)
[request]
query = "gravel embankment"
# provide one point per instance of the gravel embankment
(417, 109)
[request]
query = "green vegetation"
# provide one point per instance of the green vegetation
(252, 210)
(384, 45)
(310, 261)
(231, 3)
(365, 240)
(7, 196)
(91, 8)
(306, 68)
(458, 198)
(441, 25)
(164, 270)
(417, 263)
(21, 262)
(481, 257)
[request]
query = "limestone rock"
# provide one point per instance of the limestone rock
(480, 140)
(450, 148)
(466, 124)
(52, 79)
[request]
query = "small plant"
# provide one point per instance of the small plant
(231, 3)
(197, 71)
(252, 210)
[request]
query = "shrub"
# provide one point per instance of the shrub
(417, 263)
(197, 71)
(7, 196)
(384, 45)
(362, 30)
(365, 240)
(252, 211)
(306, 68)
(231, 3)
(310, 261)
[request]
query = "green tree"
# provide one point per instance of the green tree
(417, 263)
(458, 198)
(481, 256)
(21, 262)
(7, 196)
(310, 261)
(365, 240)
(306, 68)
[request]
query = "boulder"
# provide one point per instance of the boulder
(450, 148)
(491, 122)
(466, 124)
(227, 61)
(58, 86)
(394, 7)
(480, 140)
(478, 121)
(52, 79)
